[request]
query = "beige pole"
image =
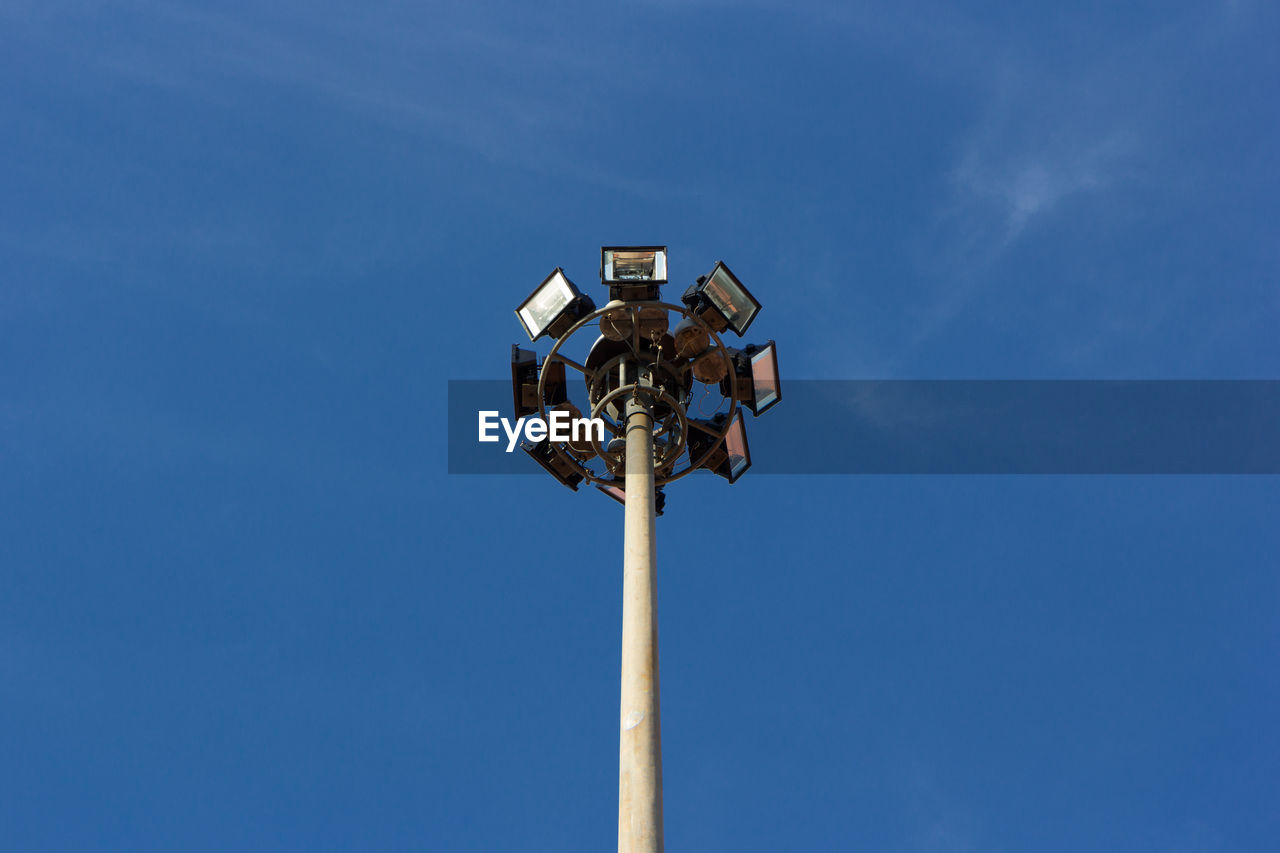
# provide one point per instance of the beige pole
(640, 741)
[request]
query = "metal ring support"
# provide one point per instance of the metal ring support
(634, 308)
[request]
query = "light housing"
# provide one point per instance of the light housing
(756, 369)
(732, 458)
(628, 265)
(619, 494)
(553, 307)
(524, 382)
(721, 300)
(633, 273)
(559, 467)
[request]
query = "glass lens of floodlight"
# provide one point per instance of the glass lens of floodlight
(731, 298)
(735, 444)
(635, 265)
(764, 376)
(541, 309)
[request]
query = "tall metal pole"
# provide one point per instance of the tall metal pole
(640, 741)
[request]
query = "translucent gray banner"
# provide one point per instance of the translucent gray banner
(966, 427)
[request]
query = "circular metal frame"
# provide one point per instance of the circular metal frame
(659, 397)
(685, 422)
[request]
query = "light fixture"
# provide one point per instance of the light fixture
(560, 468)
(633, 273)
(524, 374)
(732, 458)
(633, 264)
(640, 376)
(721, 300)
(553, 307)
(619, 494)
(524, 382)
(756, 369)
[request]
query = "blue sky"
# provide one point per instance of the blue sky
(244, 246)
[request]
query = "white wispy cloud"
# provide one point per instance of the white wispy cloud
(1060, 130)
(1017, 188)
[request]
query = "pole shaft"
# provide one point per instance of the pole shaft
(640, 740)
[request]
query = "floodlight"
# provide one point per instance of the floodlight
(732, 458)
(721, 300)
(628, 265)
(560, 468)
(524, 373)
(756, 369)
(633, 273)
(524, 381)
(555, 306)
(619, 494)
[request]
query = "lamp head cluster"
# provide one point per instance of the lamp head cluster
(642, 350)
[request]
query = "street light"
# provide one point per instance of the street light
(640, 375)
(633, 272)
(524, 382)
(544, 454)
(756, 370)
(720, 299)
(730, 458)
(553, 307)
